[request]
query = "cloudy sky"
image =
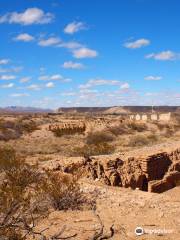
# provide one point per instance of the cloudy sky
(57, 53)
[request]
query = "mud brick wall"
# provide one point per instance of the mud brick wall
(156, 166)
(175, 155)
(170, 181)
(152, 117)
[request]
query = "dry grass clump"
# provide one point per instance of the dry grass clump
(27, 194)
(63, 191)
(119, 129)
(93, 149)
(14, 129)
(162, 125)
(168, 129)
(137, 126)
(15, 194)
(137, 141)
(128, 128)
(96, 143)
(99, 137)
(142, 140)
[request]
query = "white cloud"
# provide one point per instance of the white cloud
(19, 95)
(28, 17)
(55, 77)
(85, 53)
(42, 69)
(99, 82)
(50, 85)
(153, 78)
(16, 69)
(10, 69)
(10, 85)
(25, 79)
(4, 61)
(52, 77)
(137, 44)
(74, 27)
(34, 87)
(125, 86)
(69, 93)
(24, 37)
(164, 56)
(70, 45)
(44, 78)
(72, 65)
(7, 77)
(52, 41)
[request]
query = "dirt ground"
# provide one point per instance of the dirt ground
(118, 210)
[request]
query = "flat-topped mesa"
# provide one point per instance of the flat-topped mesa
(154, 173)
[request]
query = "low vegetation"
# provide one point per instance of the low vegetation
(26, 194)
(14, 129)
(142, 140)
(93, 149)
(96, 143)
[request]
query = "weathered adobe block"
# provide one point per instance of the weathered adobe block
(170, 181)
(155, 166)
(156, 173)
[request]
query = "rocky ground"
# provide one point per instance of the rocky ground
(118, 211)
(125, 210)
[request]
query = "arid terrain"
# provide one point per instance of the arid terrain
(90, 175)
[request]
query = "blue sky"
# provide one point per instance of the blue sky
(57, 53)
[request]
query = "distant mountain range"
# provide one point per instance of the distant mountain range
(19, 109)
(119, 109)
(104, 110)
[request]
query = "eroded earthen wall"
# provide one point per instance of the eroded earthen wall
(155, 173)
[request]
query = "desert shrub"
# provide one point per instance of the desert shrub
(63, 191)
(17, 178)
(96, 143)
(26, 192)
(8, 134)
(137, 141)
(167, 129)
(7, 159)
(162, 126)
(119, 129)
(99, 137)
(137, 126)
(152, 138)
(26, 126)
(169, 132)
(14, 129)
(176, 117)
(94, 149)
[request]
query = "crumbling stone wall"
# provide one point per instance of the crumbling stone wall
(155, 173)
(151, 117)
(155, 166)
(68, 128)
